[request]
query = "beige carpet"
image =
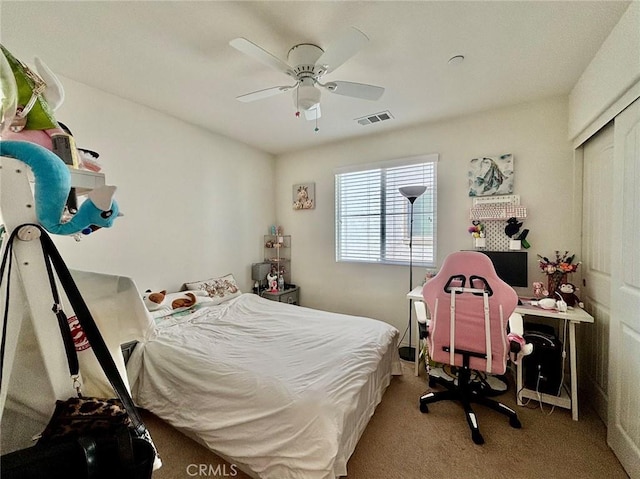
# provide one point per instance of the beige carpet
(402, 443)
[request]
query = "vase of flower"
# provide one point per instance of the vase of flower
(477, 233)
(480, 242)
(554, 281)
(557, 270)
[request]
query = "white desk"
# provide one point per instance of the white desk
(573, 316)
(416, 295)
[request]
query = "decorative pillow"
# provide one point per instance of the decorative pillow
(171, 301)
(154, 301)
(219, 289)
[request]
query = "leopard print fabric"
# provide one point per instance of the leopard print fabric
(81, 416)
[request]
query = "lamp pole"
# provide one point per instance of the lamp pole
(412, 193)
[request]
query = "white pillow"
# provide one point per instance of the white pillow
(218, 289)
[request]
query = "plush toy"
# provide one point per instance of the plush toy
(33, 111)
(187, 302)
(52, 186)
(513, 226)
(518, 345)
(183, 299)
(153, 301)
(569, 296)
(27, 137)
(37, 124)
(538, 290)
(38, 97)
(272, 279)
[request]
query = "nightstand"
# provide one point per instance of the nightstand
(290, 295)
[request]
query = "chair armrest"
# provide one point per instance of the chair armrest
(516, 324)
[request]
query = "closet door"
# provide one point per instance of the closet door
(596, 259)
(623, 432)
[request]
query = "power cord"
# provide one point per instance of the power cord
(403, 336)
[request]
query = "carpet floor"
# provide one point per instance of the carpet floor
(402, 443)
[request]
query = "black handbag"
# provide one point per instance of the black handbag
(86, 437)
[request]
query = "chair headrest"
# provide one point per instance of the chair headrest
(469, 269)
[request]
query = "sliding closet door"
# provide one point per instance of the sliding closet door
(623, 432)
(595, 291)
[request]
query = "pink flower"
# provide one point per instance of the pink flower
(562, 264)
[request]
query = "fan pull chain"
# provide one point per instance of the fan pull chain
(297, 106)
(316, 128)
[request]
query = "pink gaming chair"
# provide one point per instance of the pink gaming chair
(470, 308)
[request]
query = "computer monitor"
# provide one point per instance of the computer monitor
(511, 266)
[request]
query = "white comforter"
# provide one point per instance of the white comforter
(283, 390)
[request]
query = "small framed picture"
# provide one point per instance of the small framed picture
(304, 196)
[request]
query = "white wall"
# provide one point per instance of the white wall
(607, 86)
(613, 70)
(193, 200)
(545, 178)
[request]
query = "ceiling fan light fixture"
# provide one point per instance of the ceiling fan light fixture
(306, 64)
(307, 96)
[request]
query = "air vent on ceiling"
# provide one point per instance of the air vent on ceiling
(375, 118)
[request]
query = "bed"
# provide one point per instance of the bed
(282, 391)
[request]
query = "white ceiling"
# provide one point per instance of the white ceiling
(174, 56)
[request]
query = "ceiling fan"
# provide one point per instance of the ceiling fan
(307, 64)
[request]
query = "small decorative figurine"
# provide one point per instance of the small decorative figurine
(272, 279)
(513, 227)
(538, 290)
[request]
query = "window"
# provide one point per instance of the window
(373, 220)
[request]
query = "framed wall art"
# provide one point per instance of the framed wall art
(491, 175)
(304, 196)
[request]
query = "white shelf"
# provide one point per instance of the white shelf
(275, 247)
(85, 180)
(82, 180)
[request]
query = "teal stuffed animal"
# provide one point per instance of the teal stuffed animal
(52, 186)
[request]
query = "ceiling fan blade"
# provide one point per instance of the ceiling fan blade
(258, 53)
(341, 49)
(313, 113)
(266, 93)
(357, 90)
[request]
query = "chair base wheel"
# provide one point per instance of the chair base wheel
(463, 393)
(477, 437)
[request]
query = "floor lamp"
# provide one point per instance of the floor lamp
(412, 193)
